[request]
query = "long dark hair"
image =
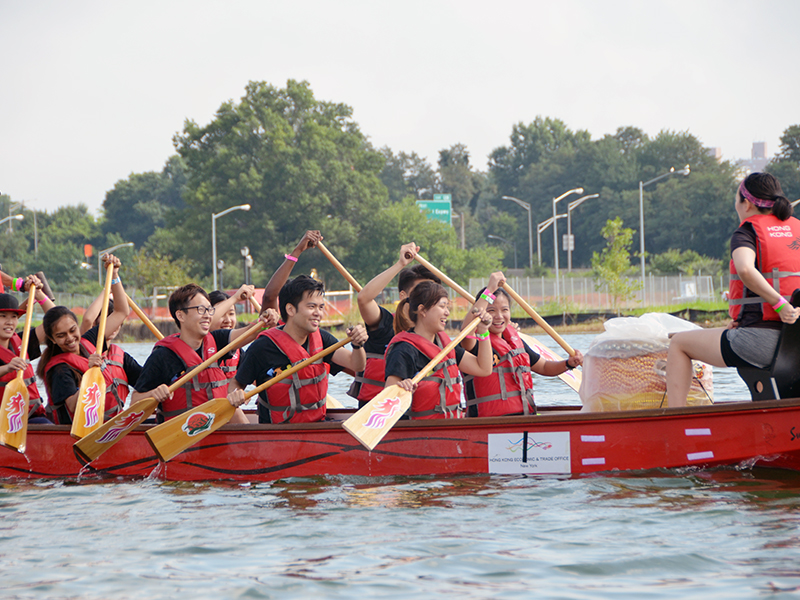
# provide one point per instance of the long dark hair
(766, 186)
(51, 317)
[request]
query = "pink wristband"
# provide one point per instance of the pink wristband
(290, 257)
(18, 284)
(779, 304)
(472, 337)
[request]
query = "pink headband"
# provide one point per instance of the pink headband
(757, 201)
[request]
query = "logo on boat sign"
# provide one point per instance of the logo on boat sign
(14, 412)
(120, 427)
(198, 423)
(91, 405)
(385, 410)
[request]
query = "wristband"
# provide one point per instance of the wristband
(779, 304)
(290, 257)
(482, 336)
(17, 284)
(40, 302)
(492, 296)
(471, 337)
(569, 366)
(489, 299)
(115, 281)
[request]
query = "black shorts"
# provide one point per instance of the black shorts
(729, 356)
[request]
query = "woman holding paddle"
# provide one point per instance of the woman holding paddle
(765, 270)
(11, 350)
(68, 355)
(437, 396)
(509, 389)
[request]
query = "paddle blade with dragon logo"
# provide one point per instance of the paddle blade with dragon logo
(174, 436)
(14, 414)
(378, 416)
(91, 405)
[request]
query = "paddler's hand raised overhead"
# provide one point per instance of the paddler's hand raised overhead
(407, 253)
(309, 240)
(245, 292)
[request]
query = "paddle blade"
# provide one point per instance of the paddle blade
(14, 415)
(571, 378)
(91, 405)
(101, 439)
(176, 435)
(331, 402)
(378, 416)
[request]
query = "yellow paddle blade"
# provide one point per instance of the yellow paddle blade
(378, 416)
(331, 402)
(109, 433)
(91, 405)
(14, 415)
(572, 378)
(174, 436)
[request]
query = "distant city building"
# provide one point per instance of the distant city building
(715, 153)
(758, 159)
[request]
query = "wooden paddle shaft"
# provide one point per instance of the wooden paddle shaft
(255, 304)
(452, 284)
(101, 328)
(144, 319)
(350, 279)
(291, 371)
(26, 332)
(542, 323)
(446, 350)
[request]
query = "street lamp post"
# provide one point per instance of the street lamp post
(99, 271)
(685, 171)
(555, 229)
(497, 237)
(570, 207)
(460, 216)
(539, 229)
(526, 206)
(214, 218)
(10, 218)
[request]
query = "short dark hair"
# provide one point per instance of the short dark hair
(182, 297)
(427, 294)
(217, 296)
(410, 275)
(293, 290)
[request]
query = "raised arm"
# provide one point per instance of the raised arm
(221, 309)
(480, 365)
(43, 300)
(370, 311)
(281, 276)
(495, 279)
(121, 308)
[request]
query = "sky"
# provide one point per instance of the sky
(91, 92)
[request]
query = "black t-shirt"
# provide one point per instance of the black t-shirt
(64, 381)
(469, 388)
(405, 361)
(163, 366)
(751, 315)
(380, 334)
(263, 357)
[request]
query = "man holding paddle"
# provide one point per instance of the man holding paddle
(178, 353)
(300, 399)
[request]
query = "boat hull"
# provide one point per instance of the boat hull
(557, 441)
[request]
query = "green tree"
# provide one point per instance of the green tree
(150, 269)
(406, 175)
(613, 262)
(786, 165)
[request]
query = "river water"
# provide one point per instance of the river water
(722, 533)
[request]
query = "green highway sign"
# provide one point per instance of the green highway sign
(438, 209)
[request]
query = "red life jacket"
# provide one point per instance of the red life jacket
(35, 407)
(502, 392)
(230, 365)
(301, 398)
(368, 383)
(778, 260)
(438, 395)
(202, 386)
(113, 374)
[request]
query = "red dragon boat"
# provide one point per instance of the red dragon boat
(560, 440)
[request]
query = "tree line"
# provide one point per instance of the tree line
(303, 163)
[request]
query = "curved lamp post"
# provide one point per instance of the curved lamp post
(526, 206)
(497, 237)
(684, 171)
(578, 190)
(570, 207)
(111, 249)
(214, 218)
(539, 229)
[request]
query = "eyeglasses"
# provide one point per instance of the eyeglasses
(201, 310)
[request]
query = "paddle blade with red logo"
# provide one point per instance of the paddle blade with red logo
(174, 436)
(378, 416)
(91, 405)
(14, 414)
(101, 439)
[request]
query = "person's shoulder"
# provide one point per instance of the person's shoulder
(328, 339)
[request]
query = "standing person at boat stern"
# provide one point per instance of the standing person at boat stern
(763, 248)
(438, 395)
(300, 398)
(179, 353)
(509, 389)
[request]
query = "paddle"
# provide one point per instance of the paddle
(376, 417)
(14, 410)
(176, 435)
(569, 377)
(90, 408)
(350, 279)
(144, 318)
(102, 438)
